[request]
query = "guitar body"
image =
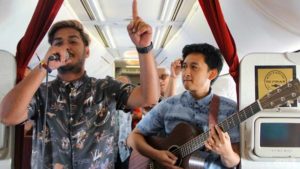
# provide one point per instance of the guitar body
(181, 134)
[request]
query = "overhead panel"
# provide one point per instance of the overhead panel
(86, 14)
(107, 20)
(179, 14)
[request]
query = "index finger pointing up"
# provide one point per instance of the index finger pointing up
(134, 9)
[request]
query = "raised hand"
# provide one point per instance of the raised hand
(176, 68)
(140, 32)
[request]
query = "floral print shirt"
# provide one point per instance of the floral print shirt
(80, 123)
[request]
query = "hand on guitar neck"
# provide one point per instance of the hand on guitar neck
(219, 142)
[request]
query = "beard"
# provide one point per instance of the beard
(74, 68)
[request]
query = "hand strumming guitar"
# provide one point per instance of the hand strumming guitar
(166, 159)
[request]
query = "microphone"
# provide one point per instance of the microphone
(54, 56)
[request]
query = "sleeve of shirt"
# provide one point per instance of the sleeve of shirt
(121, 91)
(34, 106)
(153, 122)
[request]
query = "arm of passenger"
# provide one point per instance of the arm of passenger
(136, 140)
(13, 107)
(147, 94)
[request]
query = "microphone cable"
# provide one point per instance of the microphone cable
(44, 124)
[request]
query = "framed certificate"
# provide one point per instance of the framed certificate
(268, 78)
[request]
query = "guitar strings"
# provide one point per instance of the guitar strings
(186, 146)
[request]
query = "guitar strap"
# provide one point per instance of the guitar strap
(213, 111)
(212, 121)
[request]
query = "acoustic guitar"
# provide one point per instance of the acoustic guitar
(185, 139)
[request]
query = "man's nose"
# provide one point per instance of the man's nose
(186, 72)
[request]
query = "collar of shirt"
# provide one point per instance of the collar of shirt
(76, 83)
(189, 99)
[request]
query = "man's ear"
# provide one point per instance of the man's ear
(87, 51)
(213, 74)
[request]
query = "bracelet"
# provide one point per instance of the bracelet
(45, 66)
(145, 50)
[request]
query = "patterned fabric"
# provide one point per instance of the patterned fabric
(184, 108)
(124, 122)
(80, 131)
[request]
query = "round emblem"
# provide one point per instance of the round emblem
(274, 79)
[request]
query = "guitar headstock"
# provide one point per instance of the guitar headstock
(281, 95)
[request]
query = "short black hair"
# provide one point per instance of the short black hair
(68, 24)
(212, 55)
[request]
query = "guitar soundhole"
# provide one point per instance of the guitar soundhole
(174, 149)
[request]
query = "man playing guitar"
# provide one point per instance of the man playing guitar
(200, 67)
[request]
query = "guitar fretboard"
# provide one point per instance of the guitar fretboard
(231, 122)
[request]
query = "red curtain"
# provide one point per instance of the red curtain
(41, 20)
(214, 16)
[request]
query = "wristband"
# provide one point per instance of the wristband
(45, 66)
(145, 50)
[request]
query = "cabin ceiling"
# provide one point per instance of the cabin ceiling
(107, 21)
(256, 25)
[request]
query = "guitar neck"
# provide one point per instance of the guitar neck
(277, 97)
(231, 122)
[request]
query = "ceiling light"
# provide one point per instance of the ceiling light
(130, 54)
(171, 8)
(165, 18)
(156, 39)
(94, 4)
(164, 11)
(109, 37)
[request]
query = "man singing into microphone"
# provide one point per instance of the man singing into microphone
(80, 115)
